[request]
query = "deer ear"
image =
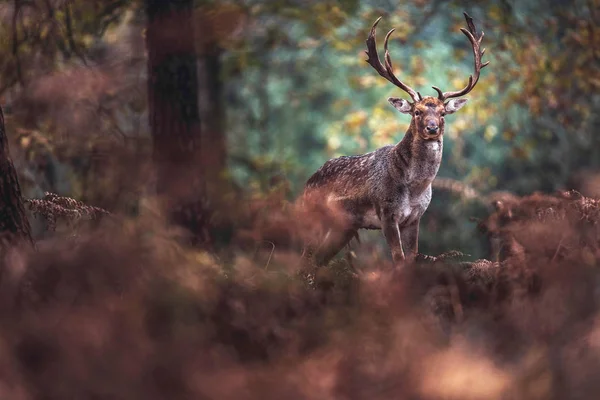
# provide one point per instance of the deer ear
(454, 105)
(400, 104)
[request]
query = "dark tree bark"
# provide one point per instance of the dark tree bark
(14, 225)
(214, 25)
(174, 112)
(214, 154)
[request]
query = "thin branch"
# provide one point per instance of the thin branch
(591, 24)
(111, 118)
(560, 243)
(270, 254)
(15, 42)
(69, 34)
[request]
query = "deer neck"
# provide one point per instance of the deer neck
(419, 159)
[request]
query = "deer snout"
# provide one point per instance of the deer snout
(432, 127)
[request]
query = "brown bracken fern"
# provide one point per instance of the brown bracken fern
(53, 207)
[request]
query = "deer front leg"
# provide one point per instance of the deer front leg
(410, 240)
(391, 231)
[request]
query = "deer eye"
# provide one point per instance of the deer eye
(442, 114)
(417, 113)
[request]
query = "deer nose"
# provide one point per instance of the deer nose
(432, 127)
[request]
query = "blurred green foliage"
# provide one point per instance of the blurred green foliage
(303, 94)
(298, 92)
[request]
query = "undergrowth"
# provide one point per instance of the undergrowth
(127, 312)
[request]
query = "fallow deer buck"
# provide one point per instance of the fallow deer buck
(390, 188)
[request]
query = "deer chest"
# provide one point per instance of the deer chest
(415, 205)
(420, 200)
(408, 208)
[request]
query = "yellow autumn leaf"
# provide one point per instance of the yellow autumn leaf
(368, 81)
(490, 132)
(355, 120)
(342, 45)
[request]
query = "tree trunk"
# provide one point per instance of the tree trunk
(174, 112)
(14, 225)
(214, 154)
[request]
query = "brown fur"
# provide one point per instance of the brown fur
(387, 189)
(390, 188)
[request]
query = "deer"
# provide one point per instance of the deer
(389, 189)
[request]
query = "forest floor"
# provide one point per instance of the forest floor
(126, 312)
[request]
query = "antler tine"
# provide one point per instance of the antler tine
(440, 94)
(373, 57)
(471, 34)
(387, 70)
(390, 69)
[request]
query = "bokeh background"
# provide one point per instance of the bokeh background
(283, 87)
(284, 84)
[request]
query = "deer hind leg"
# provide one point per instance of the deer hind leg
(333, 242)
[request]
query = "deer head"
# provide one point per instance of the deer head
(427, 112)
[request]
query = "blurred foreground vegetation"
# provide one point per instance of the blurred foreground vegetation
(123, 308)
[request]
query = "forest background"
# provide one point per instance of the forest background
(283, 86)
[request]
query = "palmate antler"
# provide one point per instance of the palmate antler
(475, 42)
(387, 72)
